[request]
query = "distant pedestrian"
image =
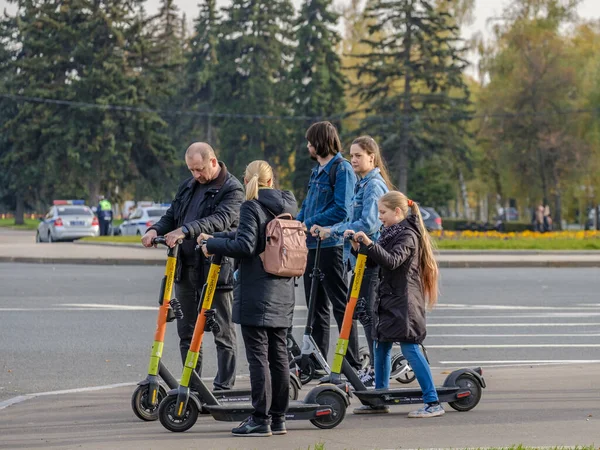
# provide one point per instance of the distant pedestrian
(105, 215)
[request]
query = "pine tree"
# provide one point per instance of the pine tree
(317, 78)
(36, 63)
(415, 88)
(253, 79)
(118, 145)
(200, 71)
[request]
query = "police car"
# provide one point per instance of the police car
(142, 218)
(67, 220)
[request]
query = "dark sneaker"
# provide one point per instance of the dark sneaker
(427, 411)
(278, 427)
(250, 428)
(368, 378)
(367, 409)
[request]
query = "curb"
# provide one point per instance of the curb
(516, 264)
(87, 261)
(442, 264)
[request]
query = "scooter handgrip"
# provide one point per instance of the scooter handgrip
(176, 307)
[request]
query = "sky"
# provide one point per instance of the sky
(484, 9)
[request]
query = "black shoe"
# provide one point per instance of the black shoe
(250, 428)
(278, 427)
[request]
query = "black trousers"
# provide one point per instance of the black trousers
(266, 351)
(225, 340)
(333, 290)
(368, 291)
(104, 226)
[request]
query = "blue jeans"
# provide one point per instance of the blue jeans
(420, 367)
(416, 359)
(383, 363)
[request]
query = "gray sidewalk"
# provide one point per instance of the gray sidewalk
(20, 246)
(533, 406)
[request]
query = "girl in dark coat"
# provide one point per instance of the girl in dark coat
(263, 304)
(408, 284)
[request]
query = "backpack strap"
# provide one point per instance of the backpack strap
(333, 171)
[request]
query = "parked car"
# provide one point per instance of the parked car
(67, 220)
(142, 218)
(432, 220)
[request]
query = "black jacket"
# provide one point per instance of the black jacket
(260, 299)
(399, 309)
(220, 211)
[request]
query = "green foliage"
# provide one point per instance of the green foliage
(316, 78)
(253, 79)
(414, 85)
(518, 244)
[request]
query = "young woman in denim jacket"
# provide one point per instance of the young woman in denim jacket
(373, 182)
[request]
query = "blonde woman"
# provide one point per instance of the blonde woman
(408, 285)
(263, 304)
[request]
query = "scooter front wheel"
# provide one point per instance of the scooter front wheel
(402, 371)
(364, 357)
(167, 410)
(139, 403)
(337, 404)
(467, 381)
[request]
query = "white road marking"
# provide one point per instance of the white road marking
(22, 398)
(109, 306)
(513, 346)
(521, 316)
(514, 335)
(457, 306)
(527, 361)
(515, 324)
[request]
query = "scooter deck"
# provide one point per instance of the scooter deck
(297, 410)
(408, 396)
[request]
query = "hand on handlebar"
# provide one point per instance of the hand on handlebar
(174, 237)
(362, 238)
(320, 232)
(203, 237)
(148, 237)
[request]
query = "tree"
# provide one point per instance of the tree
(317, 79)
(255, 53)
(35, 63)
(414, 89)
(201, 67)
(530, 75)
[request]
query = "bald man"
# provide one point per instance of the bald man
(207, 202)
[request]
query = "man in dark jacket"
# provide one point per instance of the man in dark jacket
(209, 202)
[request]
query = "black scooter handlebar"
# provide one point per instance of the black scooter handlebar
(159, 240)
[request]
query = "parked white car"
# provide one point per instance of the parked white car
(142, 218)
(67, 220)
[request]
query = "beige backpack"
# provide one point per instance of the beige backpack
(285, 252)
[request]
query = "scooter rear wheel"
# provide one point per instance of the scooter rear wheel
(139, 405)
(467, 381)
(293, 391)
(306, 376)
(166, 414)
(338, 405)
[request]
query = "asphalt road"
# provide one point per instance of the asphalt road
(66, 327)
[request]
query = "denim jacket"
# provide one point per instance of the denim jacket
(322, 206)
(364, 213)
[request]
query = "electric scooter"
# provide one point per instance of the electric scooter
(308, 360)
(325, 405)
(462, 389)
(150, 392)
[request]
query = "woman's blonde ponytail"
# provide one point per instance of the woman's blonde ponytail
(258, 174)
